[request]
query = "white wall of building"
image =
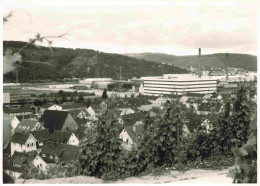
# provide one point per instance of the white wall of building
(30, 145)
(126, 138)
(73, 140)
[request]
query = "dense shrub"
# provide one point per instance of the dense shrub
(101, 155)
(245, 169)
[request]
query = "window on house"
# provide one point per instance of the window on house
(51, 157)
(28, 145)
(40, 165)
(32, 144)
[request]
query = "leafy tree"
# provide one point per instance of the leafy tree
(88, 102)
(241, 117)
(161, 140)
(63, 99)
(81, 98)
(61, 93)
(37, 102)
(104, 94)
(245, 169)
(100, 157)
(56, 101)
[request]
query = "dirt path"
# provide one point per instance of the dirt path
(191, 176)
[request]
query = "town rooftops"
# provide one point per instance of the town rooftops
(26, 125)
(131, 119)
(62, 137)
(20, 138)
(64, 152)
(54, 118)
(19, 159)
(41, 135)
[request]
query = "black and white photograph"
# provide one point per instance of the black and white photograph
(129, 92)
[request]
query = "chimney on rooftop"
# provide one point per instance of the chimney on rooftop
(199, 64)
(227, 68)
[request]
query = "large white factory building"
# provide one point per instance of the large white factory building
(178, 84)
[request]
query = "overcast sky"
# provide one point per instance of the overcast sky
(135, 27)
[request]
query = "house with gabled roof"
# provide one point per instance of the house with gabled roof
(20, 160)
(58, 120)
(83, 113)
(53, 152)
(23, 142)
(126, 111)
(28, 125)
(41, 136)
(64, 137)
(130, 135)
(17, 119)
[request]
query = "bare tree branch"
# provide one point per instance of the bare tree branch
(41, 38)
(5, 18)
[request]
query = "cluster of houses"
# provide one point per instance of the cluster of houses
(45, 138)
(50, 134)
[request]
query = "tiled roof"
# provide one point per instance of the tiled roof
(20, 138)
(41, 135)
(131, 119)
(26, 125)
(65, 152)
(21, 159)
(54, 119)
(75, 112)
(134, 134)
(60, 136)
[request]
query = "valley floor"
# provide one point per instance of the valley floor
(191, 176)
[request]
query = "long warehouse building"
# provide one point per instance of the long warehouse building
(178, 84)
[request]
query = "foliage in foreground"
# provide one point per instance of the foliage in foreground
(164, 147)
(245, 169)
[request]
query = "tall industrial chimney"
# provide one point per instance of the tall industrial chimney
(199, 65)
(227, 68)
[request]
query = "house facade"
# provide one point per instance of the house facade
(21, 142)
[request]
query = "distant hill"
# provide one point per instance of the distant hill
(244, 61)
(39, 64)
